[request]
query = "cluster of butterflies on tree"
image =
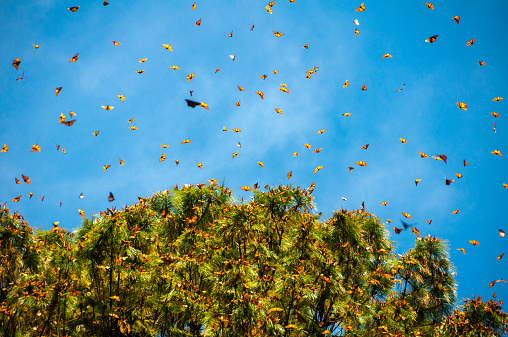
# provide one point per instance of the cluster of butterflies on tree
(284, 88)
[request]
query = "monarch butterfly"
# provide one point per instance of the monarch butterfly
(290, 173)
(81, 195)
(133, 128)
(407, 215)
(466, 163)
(236, 130)
(198, 22)
(17, 198)
(284, 90)
(261, 164)
(57, 91)
(397, 230)
(17, 181)
(386, 55)
(306, 46)
(462, 250)
(193, 6)
(105, 3)
(496, 152)
(317, 150)
(96, 132)
(105, 167)
(415, 231)
(163, 157)
(481, 63)
(403, 140)
(74, 58)
(185, 141)
(36, 148)
(216, 70)
(429, 5)
(357, 31)
(429, 221)
(69, 123)
(122, 97)
(16, 63)
(246, 188)
(115, 42)
(470, 42)
(417, 181)
(143, 60)
(140, 71)
(174, 67)
(449, 181)
(401, 88)
(235, 154)
(73, 9)
(167, 46)
(164, 146)
(351, 168)
(177, 162)
(501, 233)
(278, 34)
(364, 87)
(495, 114)
(458, 175)
(356, 22)
(20, 78)
(4, 148)
(361, 8)
(30, 195)
(321, 131)
(232, 57)
(462, 106)
(361, 163)
(295, 154)
(456, 18)
(240, 88)
(252, 28)
(423, 155)
(81, 213)
(279, 111)
(111, 198)
(346, 84)
(36, 46)
(307, 145)
(263, 76)
(260, 94)
(456, 211)
(230, 34)
(224, 128)
(500, 257)
(107, 107)
(384, 203)
(432, 39)
(474, 242)
(442, 157)
(497, 99)
(317, 169)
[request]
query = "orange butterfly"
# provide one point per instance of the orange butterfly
(384, 203)
(470, 42)
(284, 89)
(361, 163)
(121, 161)
(133, 128)
(17, 181)
(115, 42)
(306, 46)
(261, 164)
(317, 169)
(260, 94)
(321, 131)
(278, 34)
(140, 71)
(252, 28)
(74, 58)
(429, 5)
(216, 70)
(237, 103)
(73, 9)
(429, 221)
(235, 154)
(397, 230)
(240, 88)
(357, 31)
(105, 167)
(500, 257)
(189, 77)
(30, 195)
(364, 87)
(423, 155)
(185, 141)
(474, 242)
(57, 91)
(22, 77)
(346, 84)
(230, 34)
(16, 63)
(82, 213)
(386, 55)
(263, 76)
(365, 147)
(246, 188)
(317, 150)
(432, 39)
(497, 99)
(279, 111)
(403, 140)
(458, 175)
(462, 106)
(4, 148)
(351, 168)
(69, 123)
(356, 22)
(96, 132)
(307, 145)
(496, 152)
(407, 215)
(456, 18)
(143, 60)
(177, 162)
(456, 211)
(290, 173)
(449, 181)
(193, 6)
(17, 198)
(495, 114)
(167, 46)
(36, 46)
(462, 250)
(466, 163)
(442, 157)
(198, 22)
(501, 233)
(36, 148)
(361, 8)
(417, 181)
(111, 198)
(481, 63)
(236, 130)
(163, 157)
(174, 67)
(200, 165)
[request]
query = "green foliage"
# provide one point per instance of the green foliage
(193, 262)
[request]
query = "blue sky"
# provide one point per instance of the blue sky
(425, 113)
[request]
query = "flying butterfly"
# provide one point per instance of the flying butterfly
(36, 148)
(74, 58)
(386, 55)
(384, 203)
(73, 9)
(236, 130)
(122, 97)
(105, 167)
(17, 181)
(96, 132)
(17, 198)
(397, 230)
(230, 34)
(317, 150)
(458, 175)
(481, 63)
(111, 198)
(189, 77)
(466, 162)
(429, 221)
(140, 71)
(278, 34)
(403, 141)
(185, 141)
(470, 42)
(423, 155)
(401, 88)
(321, 131)
(36, 46)
(448, 181)
(237, 103)
(500, 257)
(317, 169)
(361, 8)
(192, 104)
(16, 63)
(361, 163)
(346, 84)
(260, 94)
(417, 181)
(143, 60)
(20, 78)
(4, 148)
(497, 99)
(474, 242)
(429, 5)
(501, 233)
(290, 173)
(163, 157)
(306, 46)
(357, 31)
(167, 46)
(462, 250)
(432, 39)
(456, 211)
(261, 164)
(456, 18)
(364, 87)
(365, 147)
(133, 127)
(279, 111)
(116, 43)
(496, 152)
(193, 6)
(495, 114)
(174, 67)
(246, 188)
(57, 91)
(407, 215)
(107, 107)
